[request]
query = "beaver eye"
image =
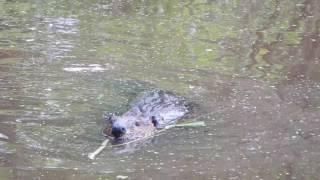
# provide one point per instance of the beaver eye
(111, 119)
(137, 123)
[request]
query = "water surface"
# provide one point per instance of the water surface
(251, 66)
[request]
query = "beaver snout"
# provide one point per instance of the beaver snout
(118, 131)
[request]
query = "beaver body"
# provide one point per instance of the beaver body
(150, 112)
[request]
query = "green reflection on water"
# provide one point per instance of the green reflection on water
(153, 35)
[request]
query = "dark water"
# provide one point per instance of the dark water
(253, 67)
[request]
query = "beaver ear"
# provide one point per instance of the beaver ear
(110, 118)
(154, 121)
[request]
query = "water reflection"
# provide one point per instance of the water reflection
(251, 66)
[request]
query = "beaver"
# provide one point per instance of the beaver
(152, 111)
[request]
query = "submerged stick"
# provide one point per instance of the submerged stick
(103, 145)
(191, 124)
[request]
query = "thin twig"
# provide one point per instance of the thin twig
(192, 123)
(104, 144)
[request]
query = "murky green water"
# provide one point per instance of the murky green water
(253, 67)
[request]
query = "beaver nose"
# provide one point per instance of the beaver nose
(118, 131)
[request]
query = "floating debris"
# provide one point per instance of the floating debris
(122, 177)
(88, 68)
(2, 136)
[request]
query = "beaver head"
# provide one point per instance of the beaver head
(151, 111)
(122, 128)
